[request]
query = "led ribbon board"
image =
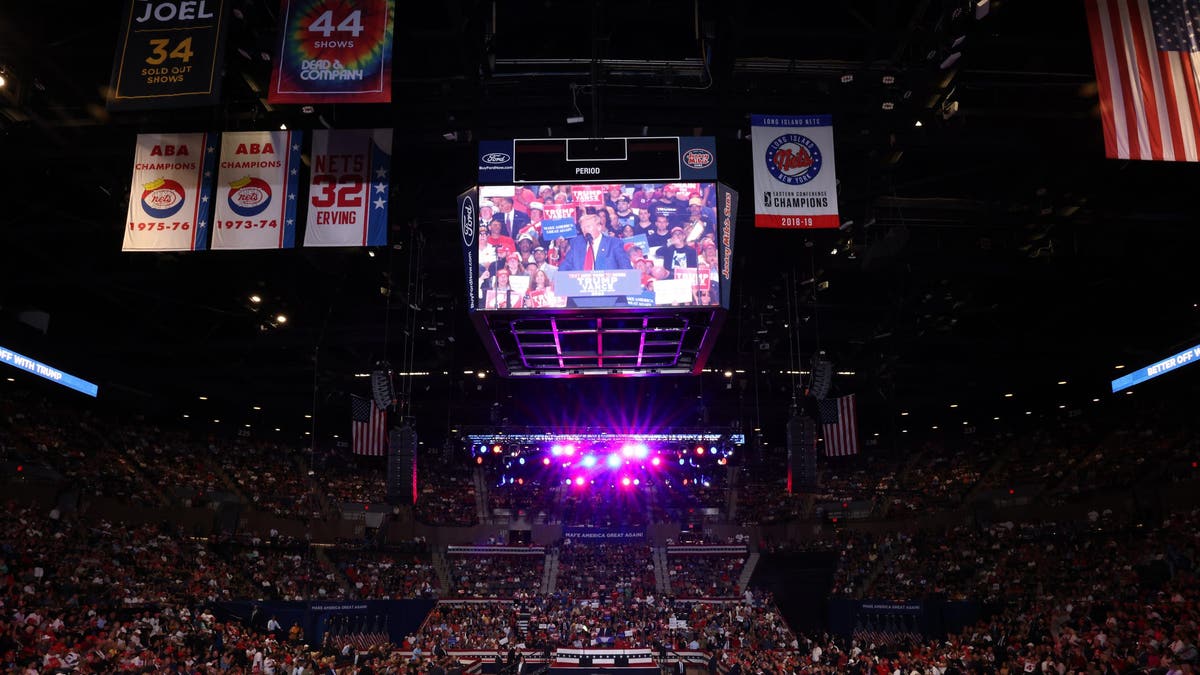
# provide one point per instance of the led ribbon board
(19, 361)
(1183, 358)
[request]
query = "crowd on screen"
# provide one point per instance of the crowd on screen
(527, 236)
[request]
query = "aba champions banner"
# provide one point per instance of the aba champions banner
(169, 54)
(795, 184)
(170, 197)
(348, 188)
(256, 190)
(334, 51)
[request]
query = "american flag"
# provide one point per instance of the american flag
(1149, 77)
(369, 426)
(839, 424)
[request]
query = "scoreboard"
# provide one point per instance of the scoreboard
(577, 229)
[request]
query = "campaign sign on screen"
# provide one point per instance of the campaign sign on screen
(597, 245)
(11, 358)
(1186, 357)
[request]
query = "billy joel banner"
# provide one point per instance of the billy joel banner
(256, 190)
(348, 190)
(334, 51)
(795, 184)
(170, 199)
(169, 54)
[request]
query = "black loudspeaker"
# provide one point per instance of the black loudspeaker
(822, 377)
(381, 386)
(402, 466)
(802, 453)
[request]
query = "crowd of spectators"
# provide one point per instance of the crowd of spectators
(496, 574)
(394, 573)
(447, 493)
(750, 624)
(705, 575)
(616, 571)
(534, 497)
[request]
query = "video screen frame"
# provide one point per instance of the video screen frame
(652, 244)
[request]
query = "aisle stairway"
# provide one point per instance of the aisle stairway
(662, 580)
(550, 573)
(748, 570)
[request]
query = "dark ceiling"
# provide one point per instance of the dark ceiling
(992, 249)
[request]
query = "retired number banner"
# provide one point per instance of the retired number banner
(170, 197)
(348, 189)
(795, 184)
(169, 54)
(334, 51)
(256, 191)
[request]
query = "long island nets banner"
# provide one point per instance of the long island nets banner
(334, 51)
(795, 183)
(170, 197)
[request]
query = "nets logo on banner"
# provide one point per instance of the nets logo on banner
(258, 177)
(795, 180)
(793, 159)
(332, 51)
(169, 197)
(349, 187)
(168, 55)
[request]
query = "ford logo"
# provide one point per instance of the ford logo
(496, 158)
(697, 158)
(467, 219)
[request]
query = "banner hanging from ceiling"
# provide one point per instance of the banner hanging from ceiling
(795, 184)
(169, 54)
(348, 188)
(171, 192)
(334, 51)
(257, 190)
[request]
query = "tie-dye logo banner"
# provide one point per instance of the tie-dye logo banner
(334, 51)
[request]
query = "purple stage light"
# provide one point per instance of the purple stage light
(579, 480)
(569, 451)
(625, 481)
(641, 451)
(656, 461)
(546, 461)
(637, 482)
(588, 461)
(556, 450)
(614, 461)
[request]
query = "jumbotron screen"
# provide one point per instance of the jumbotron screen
(644, 244)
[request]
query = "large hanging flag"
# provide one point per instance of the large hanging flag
(256, 194)
(1148, 73)
(795, 182)
(169, 199)
(348, 189)
(169, 54)
(839, 426)
(334, 51)
(368, 424)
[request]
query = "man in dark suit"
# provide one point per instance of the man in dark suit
(513, 220)
(592, 250)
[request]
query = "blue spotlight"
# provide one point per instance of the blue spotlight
(588, 461)
(614, 461)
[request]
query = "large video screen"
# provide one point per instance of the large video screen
(543, 247)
